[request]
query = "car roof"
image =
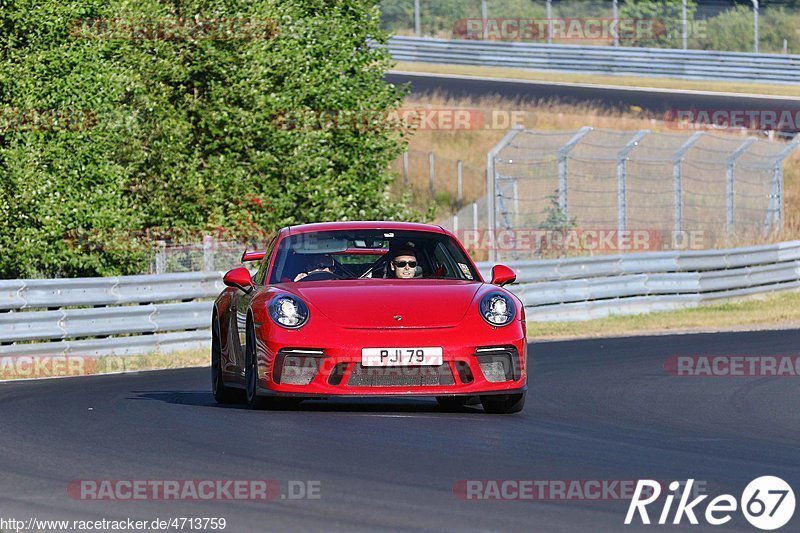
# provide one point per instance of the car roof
(365, 225)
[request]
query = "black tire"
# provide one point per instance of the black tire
(251, 371)
(452, 403)
(222, 394)
(503, 404)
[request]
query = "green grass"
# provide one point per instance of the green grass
(775, 311)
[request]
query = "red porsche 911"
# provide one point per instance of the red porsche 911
(361, 309)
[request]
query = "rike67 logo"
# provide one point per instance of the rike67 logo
(767, 503)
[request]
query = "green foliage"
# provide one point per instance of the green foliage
(555, 219)
(180, 135)
(733, 30)
(664, 17)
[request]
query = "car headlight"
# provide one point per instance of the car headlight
(288, 311)
(497, 309)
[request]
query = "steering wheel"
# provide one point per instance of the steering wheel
(320, 275)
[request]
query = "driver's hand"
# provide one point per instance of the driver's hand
(300, 276)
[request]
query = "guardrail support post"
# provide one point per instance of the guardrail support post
(563, 152)
(491, 194)
(729, 173)
(677, 177)
(622, 170)
(774, 216)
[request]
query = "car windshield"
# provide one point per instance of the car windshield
(369, 254)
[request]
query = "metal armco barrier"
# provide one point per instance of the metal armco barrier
(142, 314)
(623, 61)
(155, 313)
(594, 287)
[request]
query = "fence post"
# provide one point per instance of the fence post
(208, 253)
(549, 21)
(485, 19)
(417, 23)
(459, 184)
(677, 178)
(491, 175)
(615, 24)
(563, 204)
(161, 257)
(405, 169)
(755, 26)
(431, 174)
(729, 172)
(622, 160)
(775, 210)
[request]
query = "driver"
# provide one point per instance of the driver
(404, 264)
(322, 263)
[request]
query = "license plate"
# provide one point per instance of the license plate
(401, 356)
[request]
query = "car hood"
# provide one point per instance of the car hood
(369, 304)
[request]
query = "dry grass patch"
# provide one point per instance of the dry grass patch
(773, 311)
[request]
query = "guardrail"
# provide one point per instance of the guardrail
(141, 314)
(593, 287)
(155, 313)
(624, 61)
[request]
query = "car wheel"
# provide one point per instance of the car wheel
(503, 404)
(251, 371)
(452, 402)
(222, 394)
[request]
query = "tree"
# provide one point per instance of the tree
(181, 135)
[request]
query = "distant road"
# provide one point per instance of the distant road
(654, 102)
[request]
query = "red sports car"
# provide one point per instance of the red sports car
(368, 309)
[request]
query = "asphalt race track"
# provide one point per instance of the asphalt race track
(597, 410)
(652, 101)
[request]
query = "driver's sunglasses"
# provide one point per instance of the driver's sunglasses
(401, 264)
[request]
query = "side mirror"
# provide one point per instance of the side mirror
(239, 278)
(502, 275)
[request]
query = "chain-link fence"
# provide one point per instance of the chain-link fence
(601, 191)
(209, 255)
(436, 180)
(709, 25)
